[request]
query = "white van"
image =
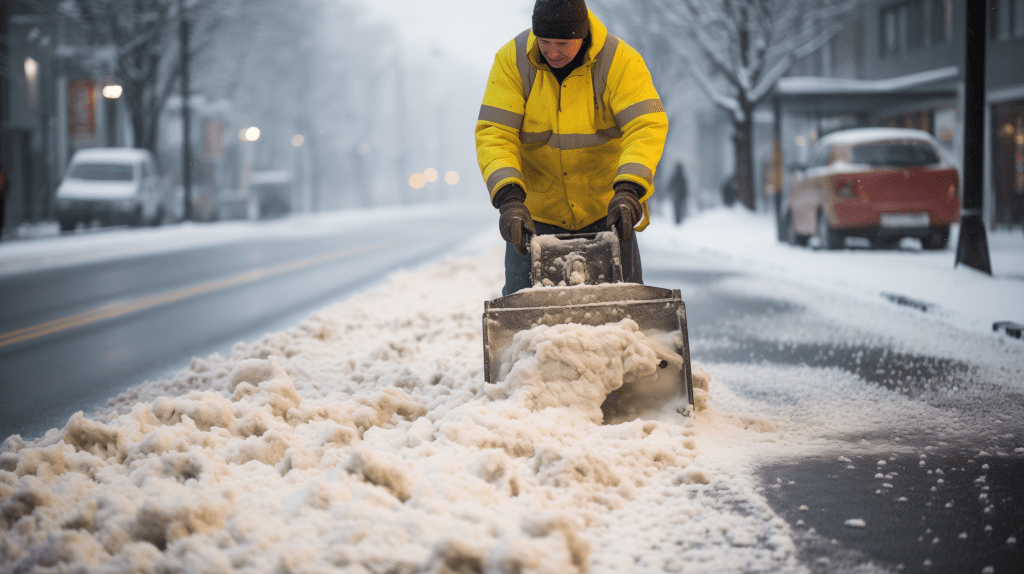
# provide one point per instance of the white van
(112, 186)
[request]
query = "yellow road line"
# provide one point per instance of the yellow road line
(122, 308)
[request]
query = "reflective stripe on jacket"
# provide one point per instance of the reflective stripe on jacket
(567, 144)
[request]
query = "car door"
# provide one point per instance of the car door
(145, 194)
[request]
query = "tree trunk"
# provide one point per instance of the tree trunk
(743, 143)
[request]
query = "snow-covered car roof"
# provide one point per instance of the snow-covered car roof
(111, 154)
(866, 135)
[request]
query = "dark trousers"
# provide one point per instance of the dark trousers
(517, 267)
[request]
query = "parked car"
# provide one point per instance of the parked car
(272, 192)
(882, 184)
(111, 186)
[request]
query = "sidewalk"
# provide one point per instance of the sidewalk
(920, 280)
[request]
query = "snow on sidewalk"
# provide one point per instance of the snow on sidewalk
(958, 295)
(364, 440)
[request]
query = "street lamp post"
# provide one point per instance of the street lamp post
(111, 93)
(186, 114)
(972, 248)
(249, 136)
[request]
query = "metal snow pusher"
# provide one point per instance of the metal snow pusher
(578, 279)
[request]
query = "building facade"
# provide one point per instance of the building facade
(900, 63)
(51, 105)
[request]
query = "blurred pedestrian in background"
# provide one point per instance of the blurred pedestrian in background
(678, 187)
(729, 191)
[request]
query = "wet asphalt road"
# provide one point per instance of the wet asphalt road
(948, 502)
(75, 336)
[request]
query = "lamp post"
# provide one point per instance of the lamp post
(249, 136)
(111, 93)
(972, 248)
(186, 114)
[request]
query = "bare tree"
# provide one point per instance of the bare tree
(735, 51)
(316, 68)
(144, 35)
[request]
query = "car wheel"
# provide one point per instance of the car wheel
(68, 224)
(938, 239)
(828, 238)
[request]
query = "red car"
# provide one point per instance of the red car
(882, 184)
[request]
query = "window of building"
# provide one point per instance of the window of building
(942, 21)
(915, 24)
(1018, 18)
(993, 19)
(904, 26)
(1008, 162)
(890, 30)
(1006, 19)
(848, 50)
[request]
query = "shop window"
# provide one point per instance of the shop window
(1008, 162)
(922, 120)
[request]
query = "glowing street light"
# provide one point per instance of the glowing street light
(31, 79)
(31, 69)
(417, 181)
(430, 175)
(249, 134)
(112, 91)
(298, 140)
(451, 178)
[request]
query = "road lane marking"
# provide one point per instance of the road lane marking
(122, 308)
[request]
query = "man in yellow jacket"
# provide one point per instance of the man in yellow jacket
(569, 134)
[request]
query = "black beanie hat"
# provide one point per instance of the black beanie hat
(560, 19)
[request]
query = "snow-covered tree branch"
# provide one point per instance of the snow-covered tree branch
(144, 36)
(735, 51)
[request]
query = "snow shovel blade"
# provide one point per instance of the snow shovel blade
(659, 312)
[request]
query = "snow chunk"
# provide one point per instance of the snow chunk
(856, 523)
(576, 366)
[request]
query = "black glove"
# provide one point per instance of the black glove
(624, 209)
(515, 223)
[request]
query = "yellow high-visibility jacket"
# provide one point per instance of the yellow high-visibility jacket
(567, 144)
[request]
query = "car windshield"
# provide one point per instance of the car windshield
(102, 171)
(899, 154)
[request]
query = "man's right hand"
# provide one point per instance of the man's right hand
(516, 224)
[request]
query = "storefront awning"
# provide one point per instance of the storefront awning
(824, 96)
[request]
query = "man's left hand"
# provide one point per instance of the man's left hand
(624, 209)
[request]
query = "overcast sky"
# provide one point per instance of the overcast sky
(471, 30)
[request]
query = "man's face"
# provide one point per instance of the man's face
(558, 53)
